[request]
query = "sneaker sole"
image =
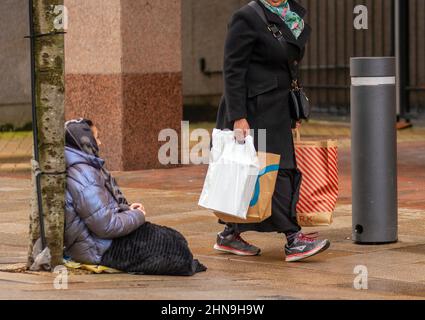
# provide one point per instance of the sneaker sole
(301, 256)
(235, 251)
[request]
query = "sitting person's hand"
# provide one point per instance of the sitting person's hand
(138, 206)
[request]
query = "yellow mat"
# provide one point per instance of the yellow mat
(92, 268)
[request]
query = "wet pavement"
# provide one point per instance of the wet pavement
(395, 271)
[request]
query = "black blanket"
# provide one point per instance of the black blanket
(152, 250)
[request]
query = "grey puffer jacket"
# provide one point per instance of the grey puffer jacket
(92, 215)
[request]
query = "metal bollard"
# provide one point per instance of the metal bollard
(374, 150)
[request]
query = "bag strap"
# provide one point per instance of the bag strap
(298, 135)
(278, 36)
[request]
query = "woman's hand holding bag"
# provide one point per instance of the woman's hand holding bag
(241, 130)
(232, 175)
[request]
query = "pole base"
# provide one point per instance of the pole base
(362, 243)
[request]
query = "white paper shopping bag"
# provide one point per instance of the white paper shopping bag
(232, 175)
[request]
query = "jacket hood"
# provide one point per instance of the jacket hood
(74, 156)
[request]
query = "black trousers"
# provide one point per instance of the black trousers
(284, 202)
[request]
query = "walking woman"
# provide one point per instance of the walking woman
(257, 81)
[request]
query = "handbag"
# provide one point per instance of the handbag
(298, 100)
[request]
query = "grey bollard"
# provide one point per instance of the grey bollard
(374, 150)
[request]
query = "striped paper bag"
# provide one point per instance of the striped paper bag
(318, 162)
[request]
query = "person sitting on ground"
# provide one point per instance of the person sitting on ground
(102, 228)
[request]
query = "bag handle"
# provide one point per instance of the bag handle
(298, 135)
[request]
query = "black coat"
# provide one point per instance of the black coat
(257, 78)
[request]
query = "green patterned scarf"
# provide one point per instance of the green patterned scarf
(291, 18)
